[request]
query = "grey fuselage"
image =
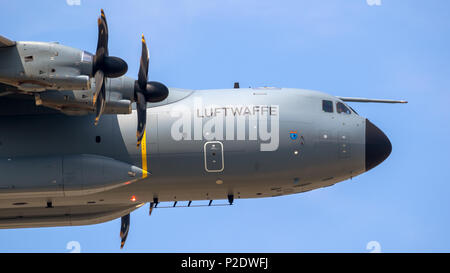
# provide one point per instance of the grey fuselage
(289, 145)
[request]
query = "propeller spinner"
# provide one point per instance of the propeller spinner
(104, 66)
(145, 91)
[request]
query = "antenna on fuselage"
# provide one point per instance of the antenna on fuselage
(230, 199)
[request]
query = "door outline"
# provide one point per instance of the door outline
(205, 156)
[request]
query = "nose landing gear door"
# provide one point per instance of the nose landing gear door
(213, 153)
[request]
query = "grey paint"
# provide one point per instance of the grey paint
(177, 167)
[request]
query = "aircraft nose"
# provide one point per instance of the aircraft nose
(378, 146)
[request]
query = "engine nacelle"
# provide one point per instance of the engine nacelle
(38, 66)
(57, 176)
(79, 102)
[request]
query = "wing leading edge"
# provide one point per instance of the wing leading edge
(5, 42)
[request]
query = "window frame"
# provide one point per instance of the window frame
(348, 112)
(330, 103)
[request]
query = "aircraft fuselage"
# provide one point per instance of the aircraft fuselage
(199, 145)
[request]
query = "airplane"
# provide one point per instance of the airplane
(82, 144)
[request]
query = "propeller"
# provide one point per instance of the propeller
(104, 66)
(124, 229)
(145, 91)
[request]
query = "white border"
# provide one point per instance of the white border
(204, 153)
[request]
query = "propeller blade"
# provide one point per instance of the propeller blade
(112, 67)
(102, 43)
(143, 69)
(141, 108)
(101, 102)
(124, 228)
(102, 52)
(99, 82)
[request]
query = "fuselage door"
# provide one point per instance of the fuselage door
(213, 153)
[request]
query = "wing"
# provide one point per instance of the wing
(7, 89)
(13, 103)
(5, 42)
(17, 105)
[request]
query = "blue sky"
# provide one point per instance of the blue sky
(398, 50)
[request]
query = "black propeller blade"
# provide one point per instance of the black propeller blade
(104, 66)
(124, 229)
(145, 91)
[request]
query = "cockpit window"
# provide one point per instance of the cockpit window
(341, 108)
(327, 106)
